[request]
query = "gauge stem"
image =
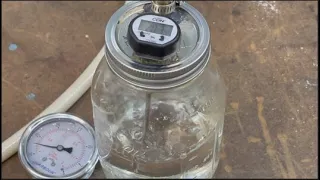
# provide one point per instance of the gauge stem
(147, 115)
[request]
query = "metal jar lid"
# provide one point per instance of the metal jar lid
(187, 63)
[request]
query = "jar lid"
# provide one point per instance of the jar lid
(185, 63)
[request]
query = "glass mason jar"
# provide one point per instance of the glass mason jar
(158, 123)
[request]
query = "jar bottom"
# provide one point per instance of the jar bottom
(205, 171)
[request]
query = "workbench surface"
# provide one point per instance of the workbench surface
(266, 52)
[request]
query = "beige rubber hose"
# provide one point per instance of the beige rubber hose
(62, 104)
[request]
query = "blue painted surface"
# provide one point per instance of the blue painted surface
(13, 47)
(31, 96)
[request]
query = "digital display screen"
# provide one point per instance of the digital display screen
(157, 28)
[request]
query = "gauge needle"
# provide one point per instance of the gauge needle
(59, 148)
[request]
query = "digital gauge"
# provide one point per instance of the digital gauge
(58, 146)
(153, 35)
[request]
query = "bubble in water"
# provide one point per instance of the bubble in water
(183, 156)
(136, 114)
(123, 139)
(173, 136)
(193, 130)
(207, 157)
(136, 134)
(192, 158)
(162, 156)
(220, 132)
(154, 107)
(128, 149)
(103, 101)
(151, 128)
(165, 118)
(201, 138)
(138, 123)
(196, 103)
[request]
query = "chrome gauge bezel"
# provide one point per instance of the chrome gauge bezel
(83, 172)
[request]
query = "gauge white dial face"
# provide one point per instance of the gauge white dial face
(60, 148)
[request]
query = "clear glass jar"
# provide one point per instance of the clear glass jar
(158, 121)
(180, 138)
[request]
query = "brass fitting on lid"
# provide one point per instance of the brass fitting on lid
(163, 7)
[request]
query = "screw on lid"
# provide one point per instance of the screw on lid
(183, 65)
